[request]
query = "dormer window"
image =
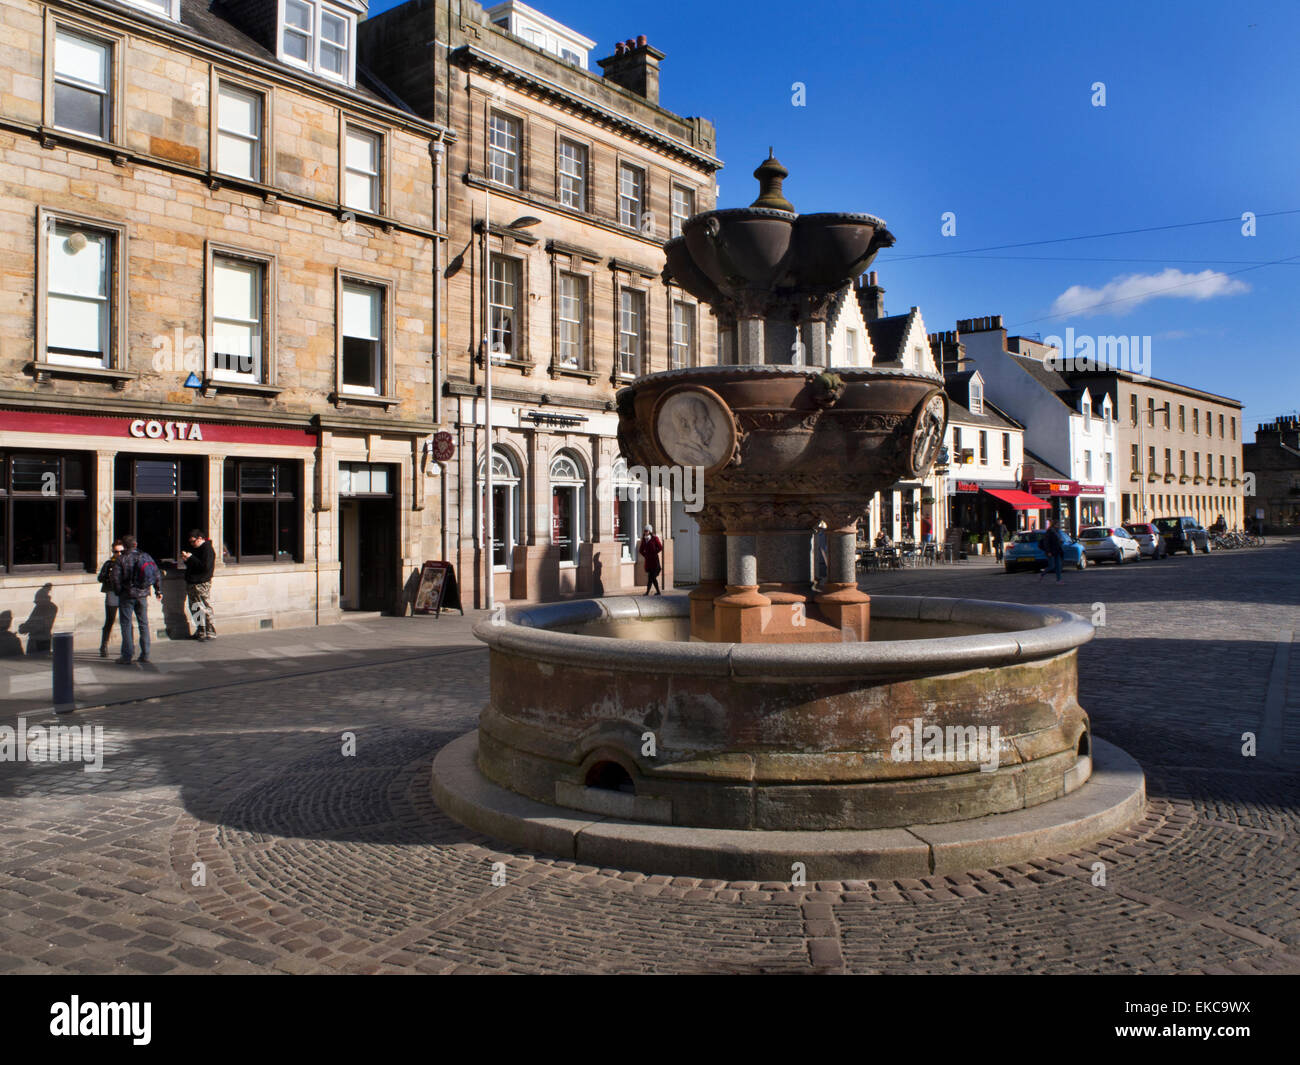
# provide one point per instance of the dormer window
(976, 396)
(1087, 412)
(168, 9)
(318, 37)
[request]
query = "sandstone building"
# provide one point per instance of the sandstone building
(220, 240)
(1274, 462)
(573, 179)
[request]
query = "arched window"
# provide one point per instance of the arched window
(629, 508)
(507, 526)
(567, 506)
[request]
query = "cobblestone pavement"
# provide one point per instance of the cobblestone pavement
(315, 862)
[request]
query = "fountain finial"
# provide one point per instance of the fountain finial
(771, 174)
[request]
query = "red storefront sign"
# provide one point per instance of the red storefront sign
(1054, 488)
(967, 486)
(163, 430)
(1092, 489)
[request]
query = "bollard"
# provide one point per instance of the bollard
(63, 695)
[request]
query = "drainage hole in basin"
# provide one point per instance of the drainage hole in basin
(1085, 748)
(610, 776)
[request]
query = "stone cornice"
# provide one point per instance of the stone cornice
(469, 57)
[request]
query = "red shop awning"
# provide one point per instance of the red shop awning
(1019, 500)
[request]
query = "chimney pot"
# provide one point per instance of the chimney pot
(629, 44)
(641, 40)
(871, 278)
(618, 48)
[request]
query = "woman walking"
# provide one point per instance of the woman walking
(651, 548)
(110, 597)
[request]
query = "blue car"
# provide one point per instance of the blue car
(1027, 552)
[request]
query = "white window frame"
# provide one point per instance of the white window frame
(624, 198)
(113, 332)
(624, 333)
(316, 42)
(628, 489)
(168, 9)
(976, 396)
(683, 347)
(497, 309)
(379, 198)
(514, 178)
(258, 143)
(109, 109)
(577, 182)
(263, 375)
(675, 224)
(383, 346)
(578, 325)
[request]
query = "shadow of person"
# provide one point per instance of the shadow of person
(597, 585)
(40, 623)
(10, 645)
(409, 592)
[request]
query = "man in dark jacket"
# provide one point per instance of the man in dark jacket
(1054, 547)
(135, 575)
(199, 564)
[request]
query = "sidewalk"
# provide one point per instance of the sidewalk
(178, 666)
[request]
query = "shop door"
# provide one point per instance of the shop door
(376, 553)
(368, 577)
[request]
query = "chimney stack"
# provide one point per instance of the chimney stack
(634, 66)
(871, 298)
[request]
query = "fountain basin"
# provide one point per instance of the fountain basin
(600, 705)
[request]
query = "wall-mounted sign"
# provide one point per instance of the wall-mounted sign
(1054, 488)
(967, 486)
(444, 446)
(1092, 489)
(166, 430)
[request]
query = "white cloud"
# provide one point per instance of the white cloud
(1123, 294)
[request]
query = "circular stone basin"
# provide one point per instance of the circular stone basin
(955, 709)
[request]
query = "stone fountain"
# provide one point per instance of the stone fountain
(758, 721)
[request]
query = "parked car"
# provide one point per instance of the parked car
(1027, 552)
(1183, 534)
(1149, 540)
(1112, 543)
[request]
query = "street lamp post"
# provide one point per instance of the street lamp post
(489, 515)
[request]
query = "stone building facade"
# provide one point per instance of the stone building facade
(1273, 460)
(218, 310)
(573, 180)
(1179, 448)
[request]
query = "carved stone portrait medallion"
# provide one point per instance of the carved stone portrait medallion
(694, 427)
(931, 418)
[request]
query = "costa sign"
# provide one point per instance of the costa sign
(154, 430)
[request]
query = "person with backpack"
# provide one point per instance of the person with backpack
(1054, 547)
(199, 564)
(110, 597)
(650, 549)
(134, 577)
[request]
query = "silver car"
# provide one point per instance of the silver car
(1109, 543)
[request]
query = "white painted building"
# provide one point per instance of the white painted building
(1069, 426)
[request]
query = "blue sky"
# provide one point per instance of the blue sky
(914, 109)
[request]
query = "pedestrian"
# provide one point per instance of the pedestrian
(651, 548)
(1054, 546)
(199, 564)
(135, 575)
(821, 556)
(110, 597)
(927, 530)
(1000, 535)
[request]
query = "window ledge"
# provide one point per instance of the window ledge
(52, 136)
(568, 371)
(43, 371)
(363, 399)
(212, 386)
(523, 366)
